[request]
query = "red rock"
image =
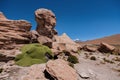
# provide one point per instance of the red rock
(34, 36)
(69, 43)
(13, 32)
(60, 70)
(45, 41)
(90, 49)
(104, 47)
(59, 46)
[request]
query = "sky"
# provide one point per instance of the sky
(79, 19)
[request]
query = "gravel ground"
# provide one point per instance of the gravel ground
(98, 69)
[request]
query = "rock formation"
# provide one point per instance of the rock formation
(106, 48)
(13, 32)
(46, 22)
(88, 48)
(45, 41)
(34, 36)
(60, 70)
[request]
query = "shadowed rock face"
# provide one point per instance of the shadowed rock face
(13, 31)
(46, 22)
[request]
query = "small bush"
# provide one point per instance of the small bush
(71, 64)
(93, 58)
(33, 54)
(73, 59)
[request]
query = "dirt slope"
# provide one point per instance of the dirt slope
(114, 40)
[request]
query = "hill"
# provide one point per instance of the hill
(113, 40)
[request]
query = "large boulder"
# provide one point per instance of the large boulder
(60, 70)
(89, 48)
(106, 48)
(13, 32)
(46, 22)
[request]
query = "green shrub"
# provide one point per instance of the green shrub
(33, 54)
(73, 59)
(93, 58)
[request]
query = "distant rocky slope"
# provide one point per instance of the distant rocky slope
(113, 40)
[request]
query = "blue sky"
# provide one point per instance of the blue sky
(82, 19)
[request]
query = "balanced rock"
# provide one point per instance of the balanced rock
(46, 22)
(13, 31)
(60, 70)
(104, 47)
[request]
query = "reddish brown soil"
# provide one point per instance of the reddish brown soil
(114, 40)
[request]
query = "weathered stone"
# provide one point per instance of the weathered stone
(59, 46)
(84, 75)
(55, 52)
(90, 49)
(13, 32)
(46, 22)
(69, 44)
(34, 36)
(7, 55)
(104, 47)
(60, 70)
(45, 41)
(2, 17)
(34, 72)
